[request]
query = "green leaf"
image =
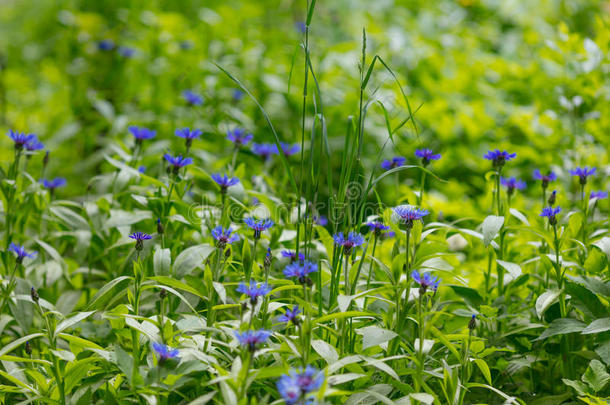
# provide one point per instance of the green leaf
(596, 262)
(66, 323)
(325, 350)
(190, 258)
(490, 228)
(374, 336)
(171, 282)
(484, 369)
(585, 300)
(562, 326)
(9, 347)
(604, 245)
(106, 292)
(597, 326)
(162, 260)
(596, 375)
(341, 315)
(545, 300)
(469, 294)
(514, 270)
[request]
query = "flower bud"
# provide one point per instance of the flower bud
(34, 294)
(473, 322)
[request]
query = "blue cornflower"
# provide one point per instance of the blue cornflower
(237, 95)
(583, 173)
(499, 157)
(176, 163)
(53, 184)
(551, 214)
(598, 194)
(264, 150)
(142, 133)
(20, 139)
(126, 51)
(20, 252)
(105, 45)
(377, 226)
(300, 26)
(293, 387)
(289, 149)
(33, 144)
(186, 44)
(188, 135)
(511, 184)
(290, 315)
(301, 270)
(320, 220)
(140, 237)
(545, 178)
(252, 338)
(192, 98)
(395, 162)
(293, 255)
(426, 155)
(239, 136)
(254, 290)
(142, 169)
(407, 214)
(224, 236)
(224, 181)
(425, 281)
(164, 352)
(258, 225)
(352, 240)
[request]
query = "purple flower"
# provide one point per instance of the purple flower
(239, 136)
(377, 227)
(258, 225)
(176, 163)
(321, 220)
(583, 173)
(140, 237)
(53, 184)
(512, 184)
(33, 144)
(499, 158)
(164, 352)
(292, 255)
(142, 169)
(290, 315)
(224, 181)
(264, 150)
(224, 236)
(395, 162)
(20, 252)
(300, 26)
(551, 214)
(21, 139)
(598, 194)
(252, 338)
(407, 214)
(289, 149)
(425, 281)
(426, 155)
(301, 270)
(254, 290)
(105, 45)
(545, 178)
(188, 135)
(126, 51)
(293, 387)
(142, 133)
(352, 240)
(237, 95)
(192, 98)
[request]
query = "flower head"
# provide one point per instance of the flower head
(20, 252)
(425, 281)
(290, 315)
(142, 133)
(352, 240)
(377, 227)
(252, 338)
(545, 178)
(301, 270)
(105, 45)
(33, 144)
(140, 237)
(126, 51)
(320, 220)
(551, 214)
(426, 155)
(224, 181)
(300, 26)
(237, 95)
(258, 225)
(583, 173)
(164, 352)
(289, 149)
(188, 135)
(176, 163)
(254, 290)
(512, 184)
(239, 136)
(224, 236)
(292, 255)
(598, 194)
(407, 214)
(20, 139)
(192, 98)
(53, 184)
(293, 387)
(499, 157)
(396, 161)
(264, 150)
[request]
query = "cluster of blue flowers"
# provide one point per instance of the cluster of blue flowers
(295, 386)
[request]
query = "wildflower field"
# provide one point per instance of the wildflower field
(304, 202)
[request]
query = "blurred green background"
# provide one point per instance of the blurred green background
(529, 76)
